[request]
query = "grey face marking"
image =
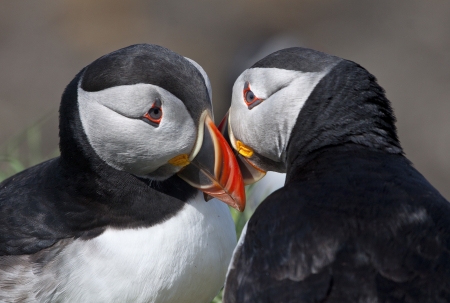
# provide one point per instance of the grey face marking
(118, 89)
(151, 64)
(112, 121)
(281, 83)
(267, 127)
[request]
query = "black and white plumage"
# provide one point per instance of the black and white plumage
(355, 222)
(110, 220)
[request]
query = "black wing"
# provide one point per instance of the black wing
(345, 244)
(51, 201)
(36, 210)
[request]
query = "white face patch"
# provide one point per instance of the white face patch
(111, 119)
(267, 127)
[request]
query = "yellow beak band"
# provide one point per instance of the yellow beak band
(243, 149)
(180, 160)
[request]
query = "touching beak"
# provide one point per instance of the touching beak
(211, 167)
(250, 172)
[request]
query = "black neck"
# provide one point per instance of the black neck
(346, 108)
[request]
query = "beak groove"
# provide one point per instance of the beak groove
(213, 168)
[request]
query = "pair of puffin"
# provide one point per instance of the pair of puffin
(119, 216)
(355, 222)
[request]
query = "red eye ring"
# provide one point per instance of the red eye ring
(154, 114)
(249, 97)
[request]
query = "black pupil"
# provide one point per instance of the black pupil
(155, 113)
(250, 96)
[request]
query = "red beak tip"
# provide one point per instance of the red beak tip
(240, 206)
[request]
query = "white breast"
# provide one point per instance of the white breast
(183, 259)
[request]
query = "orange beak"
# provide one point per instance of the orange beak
(250, 172)
(214, 169)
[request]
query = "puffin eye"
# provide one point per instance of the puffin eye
(249, 97)
(154, 114)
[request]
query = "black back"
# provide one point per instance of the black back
(352, 225)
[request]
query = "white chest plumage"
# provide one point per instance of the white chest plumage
(183, 259)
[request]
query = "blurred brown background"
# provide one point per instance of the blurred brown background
(405, 44)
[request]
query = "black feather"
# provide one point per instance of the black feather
(355, 222)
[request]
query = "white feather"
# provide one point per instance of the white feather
(268, 126)
(111, 119)
(183, 259)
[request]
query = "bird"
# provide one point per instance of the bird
(118, 216)
(354, 221)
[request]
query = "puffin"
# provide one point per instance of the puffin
(122, 214)
(354, 221)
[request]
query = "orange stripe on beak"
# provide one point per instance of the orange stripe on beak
(214, 169)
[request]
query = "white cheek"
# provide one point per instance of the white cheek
(127, 100)
(268, 126)
(131, 144)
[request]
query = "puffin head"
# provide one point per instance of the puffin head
(147, 111)
(296, 101)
